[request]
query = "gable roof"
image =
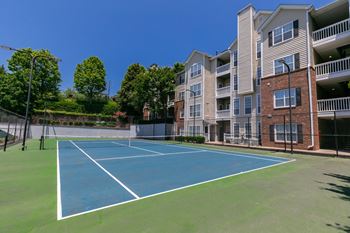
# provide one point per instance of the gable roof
(283, 7)
(193, 53)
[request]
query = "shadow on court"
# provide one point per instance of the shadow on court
(342, 189)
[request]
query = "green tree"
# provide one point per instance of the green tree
(14, 84)
(89, 78)
(130, 97)
(178, 67)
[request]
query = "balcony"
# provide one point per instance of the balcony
(333, 69)
(223, 91)
(334, 35)
(224, 69)
(327, 107)
(225, 113)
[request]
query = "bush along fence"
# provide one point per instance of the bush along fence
(11, 128)
(63, 118)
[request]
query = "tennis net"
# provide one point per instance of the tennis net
(49, 141)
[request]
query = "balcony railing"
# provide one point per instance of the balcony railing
(337, 104)
(333, 67)
(331, 30)
(223, 68)
(223, 113)
(223, 91)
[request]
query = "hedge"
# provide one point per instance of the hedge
(193, 139)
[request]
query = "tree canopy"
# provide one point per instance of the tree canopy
(14, 83)
(89, 78)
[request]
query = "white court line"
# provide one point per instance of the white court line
(172, 190)
(108, 173)
(139, 148)
(148, 155)
(59, 199)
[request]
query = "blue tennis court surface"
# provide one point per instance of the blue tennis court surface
(93, 175)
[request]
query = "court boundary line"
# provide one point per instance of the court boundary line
(194, 147)
(176, 189)
(106, 171)
(150, 155)
(139, 148)
(58, 180)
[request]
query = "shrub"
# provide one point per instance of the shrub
(192, 139)
(109, 108)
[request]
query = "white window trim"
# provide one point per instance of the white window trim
(256, 54)
(287, 127)
(194, 84)
(239, 106)
(181, 95)
(239, 127)
(282, 41)
(251, 104)
(284, 67)
(182, 114)
(285, 106)
(200, 70)
(200, 111)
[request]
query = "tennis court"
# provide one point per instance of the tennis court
(97, 174)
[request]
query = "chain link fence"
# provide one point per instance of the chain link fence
(11, 128)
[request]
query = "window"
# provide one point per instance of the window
(182, 79)
(182, 114)
(247, 105)
(236, 106)
(224, 106)
(235, 82)
(197, 88)
(195, 111)
(258, 49)
(283, 33)
(181, 132)
(258, 104)
(279, 133)
(258, 76)
(258, 131)
(281, 68)
(196, 69)
(248, 130)
(235, 58)
(181, 95)
(281, 98)
(236, 130)
(196, 129)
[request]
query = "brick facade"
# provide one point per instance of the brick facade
(300, 114)
(179, 106)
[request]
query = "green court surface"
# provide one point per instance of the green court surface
(309, 195)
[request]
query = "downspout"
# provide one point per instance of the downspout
(309, 78)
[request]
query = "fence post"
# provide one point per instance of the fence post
(336, 133)
(249, 132)
(7, 135)
(284, 132)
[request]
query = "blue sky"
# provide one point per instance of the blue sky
(122, 32)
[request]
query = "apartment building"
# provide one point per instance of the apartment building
(243, 91)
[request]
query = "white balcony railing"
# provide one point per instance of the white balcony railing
(223, 68)
(223, 91)
(331, 30)
(330, 105)
(223, 113)
(333, 67)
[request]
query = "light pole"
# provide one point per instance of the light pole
(32, 64)
(194, 109)
(290, 106)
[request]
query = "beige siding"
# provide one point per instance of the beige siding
(296, 45)
(245, 51)
(210, 90)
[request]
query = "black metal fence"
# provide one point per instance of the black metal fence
(11, 128)
(328, 131)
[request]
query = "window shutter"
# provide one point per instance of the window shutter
(298, 96)
(297, 61)
(296, 28)
(300, 134)
(270, 39)
(272, 133)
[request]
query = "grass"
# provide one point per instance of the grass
(309, 195)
